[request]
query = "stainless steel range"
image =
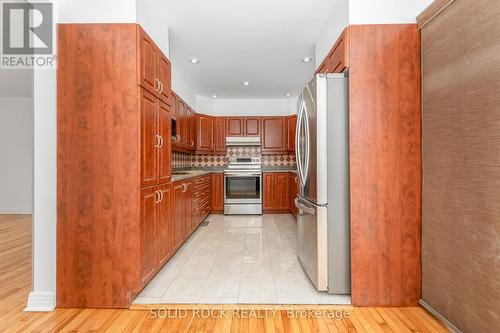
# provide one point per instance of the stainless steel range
(243, 186)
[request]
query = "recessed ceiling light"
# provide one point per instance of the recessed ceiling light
(287, 95)
(246, 83)
(194, 60)
(214, 96)
(306, 60)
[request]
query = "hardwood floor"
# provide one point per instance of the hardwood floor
(15, 279)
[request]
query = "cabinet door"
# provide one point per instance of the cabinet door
(205, 133)
(291, 125)
(178, 214)
(273, 135)
(149, 139)
(219, 135)
(217, 192)
(268, 194)
(188, 209)
(148, 235)
(282, 194)
(165, 225)
(252, 126)
(165, 150)
(164, 75)
(183, 123)
(234, 126)
(192, 129)
(148, 62)
(294, 190)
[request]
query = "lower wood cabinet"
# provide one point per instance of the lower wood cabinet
(217, 192)
(156, 232)
(276, 196)
(201, 199)
(294, 190)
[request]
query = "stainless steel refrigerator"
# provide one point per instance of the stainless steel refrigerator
(322, 152)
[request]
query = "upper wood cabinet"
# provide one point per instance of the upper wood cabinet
(337, 59)
(165, 152)
(154, 72)
(274, 136)
(234, 126)
(186, 126)
(251, 126)
(291, 122)
(219, 135)
(149, 106)
(205, 126)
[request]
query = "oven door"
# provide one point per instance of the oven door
(242, 187)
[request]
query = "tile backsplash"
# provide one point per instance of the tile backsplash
(182, 160)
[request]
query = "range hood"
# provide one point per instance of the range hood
(242, 141)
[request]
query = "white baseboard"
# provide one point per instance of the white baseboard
(445, 321)
(41, 302)
(16, 210)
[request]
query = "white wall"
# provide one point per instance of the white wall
(245, 107)
(97, 11)
(339, 19)
(184, 88)
(150, 15)
(16, 155)
(385, 11)
(347, 12)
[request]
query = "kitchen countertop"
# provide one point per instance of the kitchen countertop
(190, 173)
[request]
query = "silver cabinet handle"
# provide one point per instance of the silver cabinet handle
(161, 195)
(161, 87)
(161, 141)
(157, 88)
(184, 187)
(192, 143)
(158, 141)
(157, 196)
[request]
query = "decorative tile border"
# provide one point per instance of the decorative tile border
(183, 160)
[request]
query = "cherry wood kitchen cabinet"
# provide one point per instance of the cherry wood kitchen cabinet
(219, 135)
(384, 154)
(205, 126)
(337, 59)
(113, 161)
(234, 126)
(186, 127)
(155, 69)
(178, 213)
(201, 199)
(192, 129)
(294, 191)
(217, 192)
(251, 126)
(165, 225)
(274, 135)
(291, 124)
(276, 194)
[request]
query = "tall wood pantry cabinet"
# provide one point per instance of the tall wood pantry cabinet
(114, 228)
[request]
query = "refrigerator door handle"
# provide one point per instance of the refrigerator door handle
(307, 143)
(301, 206)
(298, 151)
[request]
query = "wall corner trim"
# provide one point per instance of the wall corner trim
(39, 301)
(445, 321)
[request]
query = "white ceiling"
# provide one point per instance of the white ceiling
(253, 40)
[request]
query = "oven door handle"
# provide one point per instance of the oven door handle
(241, 174)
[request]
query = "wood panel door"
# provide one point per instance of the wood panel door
(148, 62)
(165, 150)
(192, 129)
(188, 208)
(252, 126)
(165, 225)
(291, 127)
(184, 123)
(273, 135)
(282, 194)
(219, 135)
(178, 215)
(164, 76)
(205, 133)
(234, 126)
(149, 140)
(268, 192)
(217, 192)
(148, 233)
